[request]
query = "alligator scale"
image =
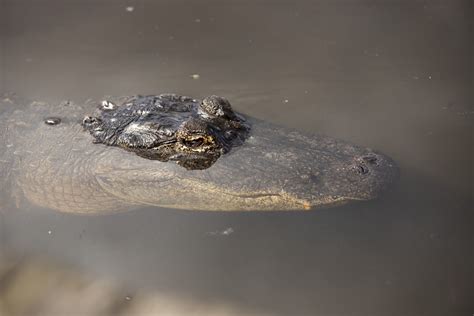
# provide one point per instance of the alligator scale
(176, 152)
(170, 127)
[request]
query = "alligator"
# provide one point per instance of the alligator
(176, 152)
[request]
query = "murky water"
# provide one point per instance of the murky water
(392, 75)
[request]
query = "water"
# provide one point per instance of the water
(391, 75)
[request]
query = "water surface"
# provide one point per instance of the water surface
(392, 75)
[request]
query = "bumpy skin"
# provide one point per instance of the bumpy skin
(60, 167)
(167, 127)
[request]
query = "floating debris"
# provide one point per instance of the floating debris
(52, 121)
(225, 232)
(228, 231)
(195, 76)
(130, 9)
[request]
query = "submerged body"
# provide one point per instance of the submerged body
(60, 165)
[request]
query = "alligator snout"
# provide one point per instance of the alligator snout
(328, 178)
(363, 165)
(368, 175)
(282, 169)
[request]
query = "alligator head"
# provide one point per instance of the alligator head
(170, 127)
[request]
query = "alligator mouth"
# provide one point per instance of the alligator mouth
(297, 203)
(253, 195)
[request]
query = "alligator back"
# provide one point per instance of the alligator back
(7, 107)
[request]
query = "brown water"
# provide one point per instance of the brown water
(391, 75)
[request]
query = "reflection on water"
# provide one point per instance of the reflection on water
(391, 75)
(38, 286)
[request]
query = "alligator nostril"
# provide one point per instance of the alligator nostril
(372, 159)
(362, 169)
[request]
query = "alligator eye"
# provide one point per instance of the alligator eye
(193, 143)
(215, 106)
